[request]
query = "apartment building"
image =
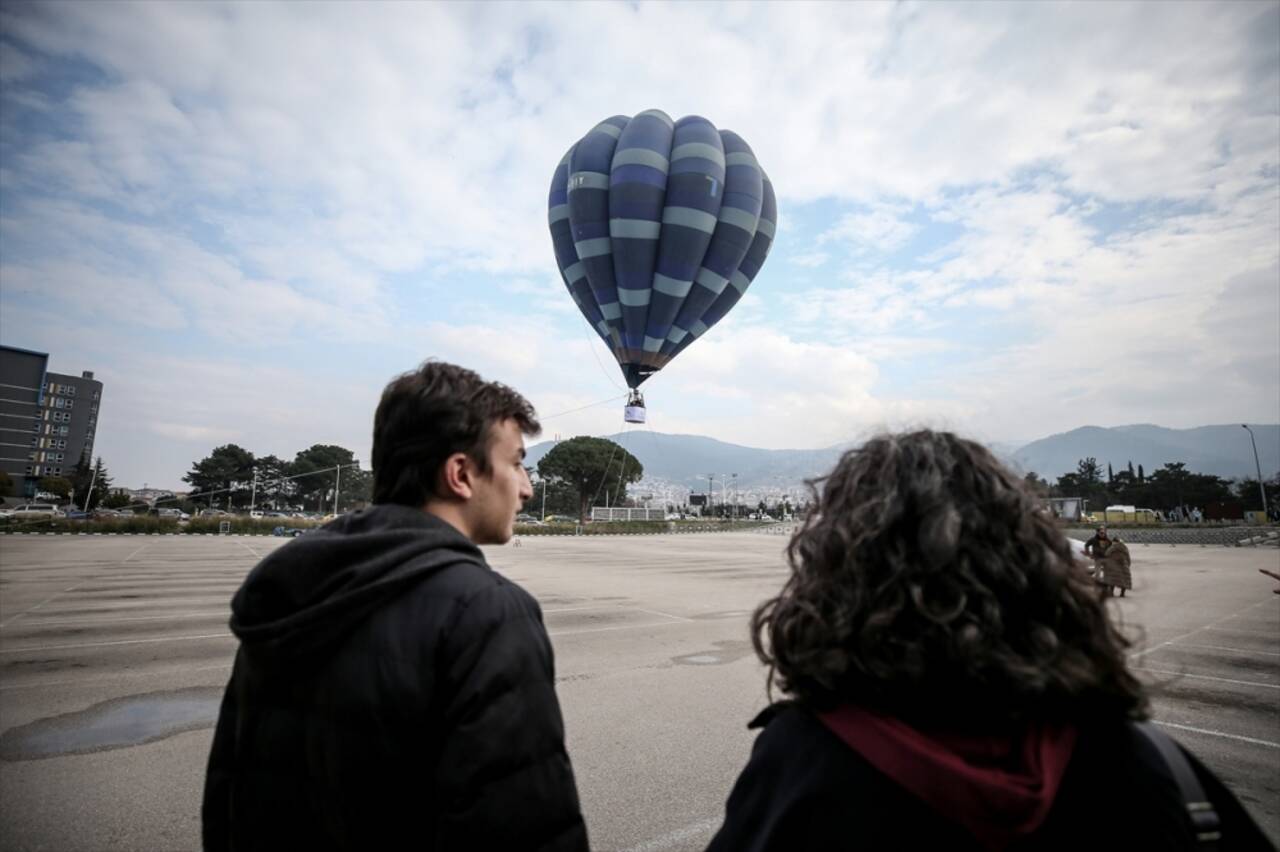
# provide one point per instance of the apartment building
(48, 421)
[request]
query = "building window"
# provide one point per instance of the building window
(71, 403)
(71, 390)
(31, 470)
(97, 394)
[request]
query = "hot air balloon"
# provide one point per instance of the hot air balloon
(659, 227)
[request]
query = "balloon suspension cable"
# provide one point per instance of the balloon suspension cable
(607, 465)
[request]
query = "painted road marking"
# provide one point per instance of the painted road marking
(226, 635)
(1253, 740)
(680, 836)
(1209, 677)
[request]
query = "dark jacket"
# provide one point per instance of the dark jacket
(390, 691)
(805, 789)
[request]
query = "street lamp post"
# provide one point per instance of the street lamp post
(1258, 466)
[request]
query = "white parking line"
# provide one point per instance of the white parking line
(77, 621)
(113, 677)
(680, 837)
(1270, 634)
(68, 589)
(1136, 654)
(224, 635)
(1209, 677)
(618, 627)
(1249, 651)
(663, 614)
(1223, 734)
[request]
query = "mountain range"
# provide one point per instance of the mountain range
(687, 460)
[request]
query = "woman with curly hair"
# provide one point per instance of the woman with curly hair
(954, 682)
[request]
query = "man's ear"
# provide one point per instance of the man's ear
(457, 475)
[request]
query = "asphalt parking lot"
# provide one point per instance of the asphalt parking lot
(114, 650)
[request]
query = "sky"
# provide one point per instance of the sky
(1010, 220)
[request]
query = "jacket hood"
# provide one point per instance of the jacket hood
(1000, 788)
(309, 593)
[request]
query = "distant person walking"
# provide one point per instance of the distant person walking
(953, 681)
(391, 690)
(1113, 568)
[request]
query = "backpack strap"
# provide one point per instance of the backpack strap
(1204, 819)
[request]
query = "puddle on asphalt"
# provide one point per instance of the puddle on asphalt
(119, 723)
(726, 651)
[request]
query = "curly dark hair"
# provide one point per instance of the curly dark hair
(429, 414)
(928, 584)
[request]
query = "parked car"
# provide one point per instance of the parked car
(173, 514)
(32, 511)
(110, 514)
(77, 515)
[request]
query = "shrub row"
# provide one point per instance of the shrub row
(156, 526)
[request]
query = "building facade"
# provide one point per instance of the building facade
(48, 421)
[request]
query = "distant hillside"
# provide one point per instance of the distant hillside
(681, 459)
(1220, 450)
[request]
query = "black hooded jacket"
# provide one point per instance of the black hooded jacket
(390, 691)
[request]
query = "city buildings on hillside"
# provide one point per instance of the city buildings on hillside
(48, 421)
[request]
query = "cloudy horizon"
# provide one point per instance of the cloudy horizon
(1007, 220)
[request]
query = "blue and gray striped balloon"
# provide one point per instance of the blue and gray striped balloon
(658, 227)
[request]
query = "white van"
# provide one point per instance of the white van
(29, 511)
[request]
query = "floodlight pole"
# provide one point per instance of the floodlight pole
(89, 494)
(337, 484)
(1258, 466)
(253, 496)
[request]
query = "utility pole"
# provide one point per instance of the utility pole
(1258, 466)
(253, 496)
(711, 491)
(337, 484)
(544, 499)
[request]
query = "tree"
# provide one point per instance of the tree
(117, 499)
(228, 470)
(1142, 476)
(591, 466)
(1036, 484)
(315, 475)
(561, 497)
(59, 485)
(1088, 471)
(1111, 477)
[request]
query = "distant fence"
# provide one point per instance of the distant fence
(622, 513)
(1206, 535)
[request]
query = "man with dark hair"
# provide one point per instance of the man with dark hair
(391, 690)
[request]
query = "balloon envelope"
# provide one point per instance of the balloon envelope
(658, 227)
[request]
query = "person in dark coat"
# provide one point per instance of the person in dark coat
(954, 682)
(391, 690)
